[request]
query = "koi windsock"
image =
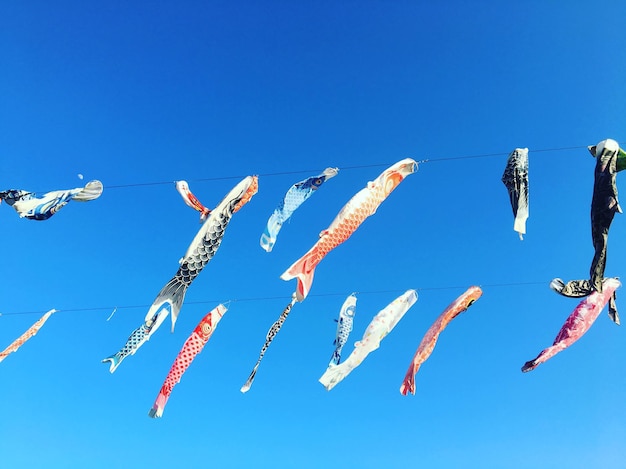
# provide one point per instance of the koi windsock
(578, 323)
(429, 340)
(295, 196)
(192, 347)
(382, 324)
(30, 332)
(361, 206)
(268, 340)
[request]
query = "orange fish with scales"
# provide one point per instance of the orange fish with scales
(361, 206)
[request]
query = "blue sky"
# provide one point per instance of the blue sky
(210, 92)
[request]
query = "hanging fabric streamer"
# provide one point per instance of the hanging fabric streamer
(577, 324)
(41, 207)
(382, 324)
(112, 313)
(30, 332)
(344, 327)
(201, 250)
(191, 200)
(361, 206)
(515, 178)
(192, 347)
(268, 340)
(427, 345)
(295, 196)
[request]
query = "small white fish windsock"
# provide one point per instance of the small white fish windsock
(381, 325)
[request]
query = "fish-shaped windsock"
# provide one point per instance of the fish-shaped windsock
(429, 340)
(138, 337)
(268, 340)
(515, 178)
(200, 252)
(344, 327)
(381, 325)
(610, 159)
(203, 247)
(294, 197)
(578, 323)
(192, 347)
(30, 332)
(41, 207)
(191, 200)
(361, 206)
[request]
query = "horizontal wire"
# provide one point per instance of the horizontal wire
(285, 297)
(375, 165)
(282, 173)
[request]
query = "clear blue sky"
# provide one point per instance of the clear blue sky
(153, 92)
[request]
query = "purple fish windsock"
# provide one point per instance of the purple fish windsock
(268, 340)
(577, 324)
(344, 327)
(41, 207)
(191, 200)
(30, 332)
(515, 178)
(192, 347)
(294, 197)
(382, 324)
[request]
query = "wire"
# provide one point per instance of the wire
(285, 297)
(375, 165)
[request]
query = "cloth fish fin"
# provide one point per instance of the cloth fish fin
(333, 375)
(159, 406)
(174, 293)
(571, 289)
(304, 270)
(91, 191)
(115, 361)
(613, 314)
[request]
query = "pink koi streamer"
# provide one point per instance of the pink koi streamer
(578, 323)
(192, 347)
(32, 330)
(427, 345)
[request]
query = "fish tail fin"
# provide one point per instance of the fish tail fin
(303, 269)
(267, 241)
(336, 358)
(174, 294)
(332, 376)
(274, 224)
(529, 366)
(115, 360)
(91, 191)
(246, 387)
(158, 406)
(408, 385)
